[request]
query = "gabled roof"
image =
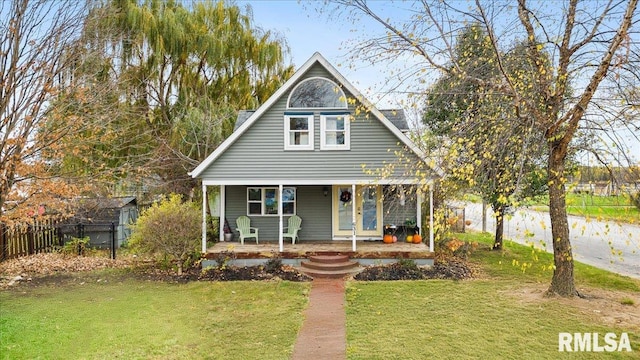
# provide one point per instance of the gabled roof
(243, 115)
(250, 117)
(397, 118)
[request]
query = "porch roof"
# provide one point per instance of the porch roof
(290, 181)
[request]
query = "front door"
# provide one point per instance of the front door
(368, 209)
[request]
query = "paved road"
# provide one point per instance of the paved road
(604, 244)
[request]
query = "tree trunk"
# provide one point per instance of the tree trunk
(562, 282)
(497, 242)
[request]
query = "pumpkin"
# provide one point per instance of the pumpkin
(395, 238)
(409, 238)
(387, 239)
(417, 239)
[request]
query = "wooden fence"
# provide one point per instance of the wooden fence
(26, 239)
(50, 234)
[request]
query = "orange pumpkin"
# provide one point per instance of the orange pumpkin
(417, 239)
(387, 239)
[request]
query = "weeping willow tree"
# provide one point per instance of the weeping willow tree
(176, 76)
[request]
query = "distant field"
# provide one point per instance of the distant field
(617, 208)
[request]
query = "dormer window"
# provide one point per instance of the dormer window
(335, 131)
(298, 131)
(323, 95)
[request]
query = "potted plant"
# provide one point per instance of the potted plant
(411, 229)
(410, 226)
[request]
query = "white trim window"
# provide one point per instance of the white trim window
(298, 132)
(335, 132)
(317, 93)
(264, 201)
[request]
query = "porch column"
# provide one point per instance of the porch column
(418, 207)
(204, 218)
(353, 216)
(280, 237)
(223, 216)
(431, 216)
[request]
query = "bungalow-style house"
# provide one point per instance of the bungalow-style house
(319, 150)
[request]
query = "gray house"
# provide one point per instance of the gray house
(318, 149)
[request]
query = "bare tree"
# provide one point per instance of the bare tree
(34, 35)
(584, 42)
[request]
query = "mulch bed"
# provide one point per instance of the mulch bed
(233, 273)
(51, 268)
(449, 267)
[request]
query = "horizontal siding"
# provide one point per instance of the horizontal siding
(259, 153)
(315, 210)
(311, 205)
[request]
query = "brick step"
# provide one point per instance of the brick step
(330, 274)
(329, 259)
(329, 266)
(346, 265)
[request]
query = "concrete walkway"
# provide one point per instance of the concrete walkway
(323, 334)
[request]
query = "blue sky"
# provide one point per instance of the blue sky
(307, 31)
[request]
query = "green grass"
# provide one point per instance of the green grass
(526, 263)
(477, 319)
(462, 320)
(133, 319)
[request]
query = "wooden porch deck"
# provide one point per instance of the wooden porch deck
(372, 250)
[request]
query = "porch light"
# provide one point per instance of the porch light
(325, 191)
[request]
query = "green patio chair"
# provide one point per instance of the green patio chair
(291, 231)
(245, 229)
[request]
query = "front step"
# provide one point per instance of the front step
(329, 266)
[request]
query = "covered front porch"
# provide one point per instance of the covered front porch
(366, 253)
(347, 216)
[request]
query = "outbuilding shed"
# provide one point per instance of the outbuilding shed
(94, 218)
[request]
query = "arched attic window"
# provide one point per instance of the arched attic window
(317, 93)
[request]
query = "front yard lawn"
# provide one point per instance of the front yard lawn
(501, 315)
(114, 313)
(109, 317)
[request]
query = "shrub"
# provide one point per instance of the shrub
(274, 264)
(223, 259)
(455, 247)
(168, 230)
(76, 246)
